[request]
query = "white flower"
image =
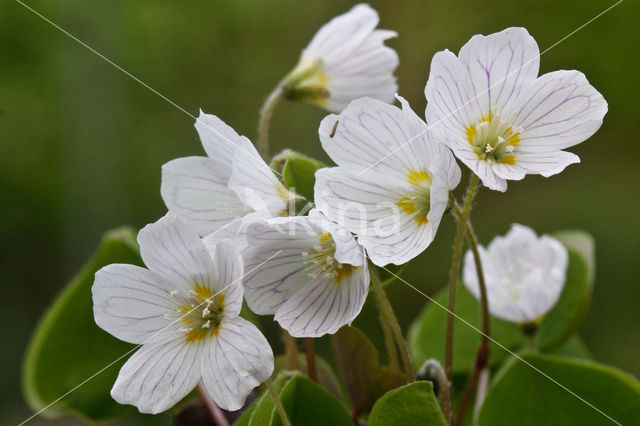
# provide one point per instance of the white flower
(316, 279)
(393, 181)
(346, 60)
(213, 193)
(500, 118)
(524, 274)
(183, 310)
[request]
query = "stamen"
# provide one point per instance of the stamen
(173, 293)
(207, 324)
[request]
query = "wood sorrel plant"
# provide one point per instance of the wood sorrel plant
(303, 242)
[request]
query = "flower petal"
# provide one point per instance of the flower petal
(255, 184)
(347, 248)
(372, 137)
(562, 110)
(323, 306)
(194, 190)
(129, 302)
(546, 163)
(227, 276)
(501, 67)
(452, 103)
(338, 38)
(235, 361)
(174, 250)
(220, 142)
(159, 374)
(274, 263)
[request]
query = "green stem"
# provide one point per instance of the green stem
(291, 349)
(392, 352)
(482, 355)
(387, 315)
(276, 401)
(265, 121)
(453, 281)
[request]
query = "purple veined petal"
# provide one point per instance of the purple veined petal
(236, 231)
(375, 138)
(234, 362)
(274, 262)
(561, 110)
(452, 103)
(323, 306)
(159, 374)
(366, 72)
(338, 38)
(130, 302)
(256, 185)
(544, 163)
(174, 250)
(501, 66)
(347, 248)
(356, 202)
(220, 142)
(228, 270)
(194, 190)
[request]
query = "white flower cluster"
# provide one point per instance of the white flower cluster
(231, 233)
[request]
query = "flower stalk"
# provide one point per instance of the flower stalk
(291, 349)
(310, 351)
(264, 123)
(482, 356)
(277, 402)
(214, 411)
(453, 281)
(389, 317)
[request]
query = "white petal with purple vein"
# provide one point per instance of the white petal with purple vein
(159, 374)
(234, 362)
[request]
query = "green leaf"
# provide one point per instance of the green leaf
(260, 412)
(359, 365)
(567, 315)
(305, 403)
(68, 348)
(298, 171)
(574, 348)
(412, 404)
(326, 377)
(427, 333)
(521, 395)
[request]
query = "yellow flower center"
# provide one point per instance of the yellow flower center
(201, 312)
(494, 139)
(416, 202)
(320, 260)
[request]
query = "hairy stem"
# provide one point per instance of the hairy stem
(387, 315)
(265, 121)
(291, 349)
(310, 351)
(214, 411)
(482, 355)
(276, 401)
(453, 281)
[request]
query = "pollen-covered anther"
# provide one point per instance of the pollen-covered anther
(173, 293)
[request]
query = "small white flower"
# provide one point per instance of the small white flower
(183, 310)
(393, 181)
(500, 118)
(214, 193)
(345, 60)
(316, 279)
(524, 274)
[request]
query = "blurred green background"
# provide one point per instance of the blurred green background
(81, 144)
